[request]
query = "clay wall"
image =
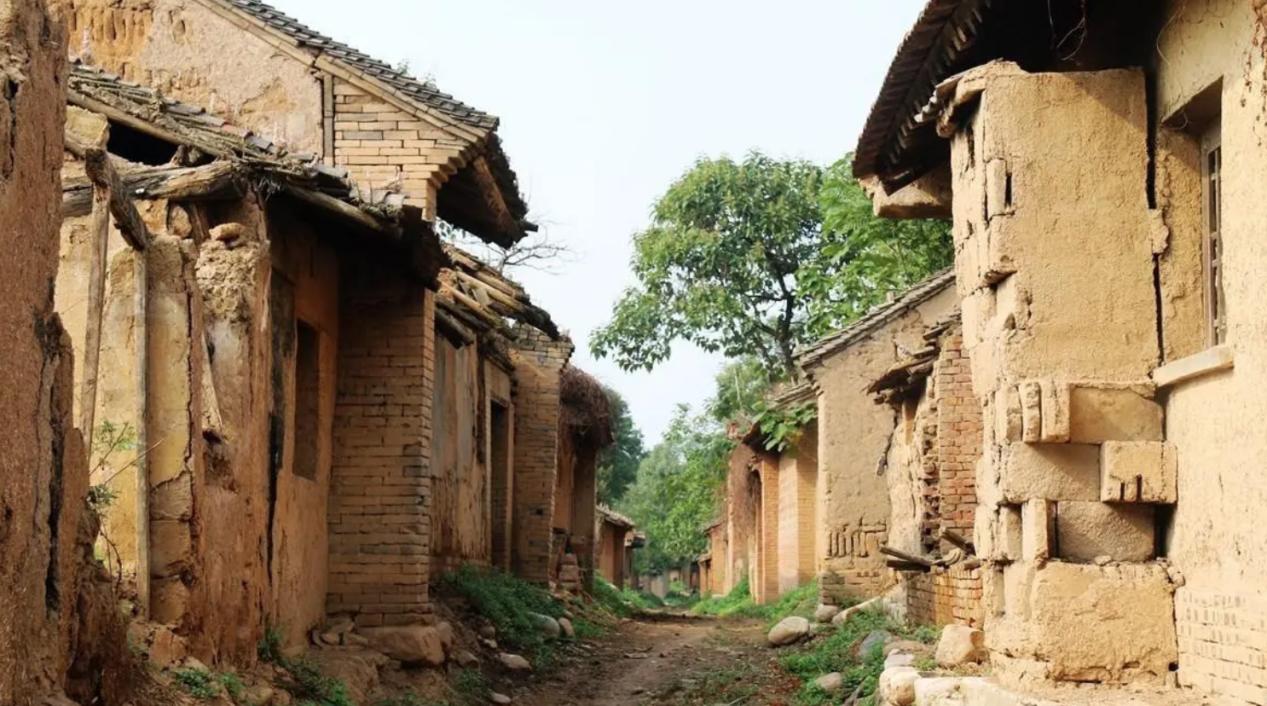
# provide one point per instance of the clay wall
(501, 463)
(305, 339)
(742, 493)
(1060, 329)
(854, 435)
(45, 577)
(720, 574)
(189, 52)
(538, 363)
(611, 553)
(1212, 417)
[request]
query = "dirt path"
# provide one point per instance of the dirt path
(666, 659)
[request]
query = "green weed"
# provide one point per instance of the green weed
(508, 603)
(198, 683)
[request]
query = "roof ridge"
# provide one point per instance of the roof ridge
(868, 323)
(424, 92)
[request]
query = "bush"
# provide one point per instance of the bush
(739, 604)
(612, 599)
(508, 603)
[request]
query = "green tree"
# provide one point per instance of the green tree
(864, 259)
(618, 464)
(717, 266)
(677, 490)
(741, 387)
(759, 257)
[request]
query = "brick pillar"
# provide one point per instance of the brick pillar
(767, 587)
(538, 364)
(380, 497)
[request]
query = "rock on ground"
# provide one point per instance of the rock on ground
(960, 645)
(498, 698)
(897, 686)
(514, 663)
(568, 629)
(789, 630)
(547, 625)
(825, 613)
(830, 683)
(409, 644)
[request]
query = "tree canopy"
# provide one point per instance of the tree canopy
(618, 464)
(758, 257)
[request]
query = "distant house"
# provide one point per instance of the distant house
(615, 539)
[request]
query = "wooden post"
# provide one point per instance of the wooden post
(140, 328)
(96, 303)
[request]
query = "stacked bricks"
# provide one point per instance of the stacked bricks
(380, 504)
(538, 364)
(958, 437)
(945, 596)
(381, 144)
(1223, 640)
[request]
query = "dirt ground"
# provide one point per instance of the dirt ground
(668, 659)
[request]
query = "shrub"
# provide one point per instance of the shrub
(507, 602)
(198, 683)
(306, 682)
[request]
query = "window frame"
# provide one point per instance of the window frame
(1213, 263)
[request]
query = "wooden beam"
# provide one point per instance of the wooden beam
(212, 181)
(101, 171)
(957, 540)
(904, 557)
(100, 243)
(343, 209)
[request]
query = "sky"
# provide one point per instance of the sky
(604, 104)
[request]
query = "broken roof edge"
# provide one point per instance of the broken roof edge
(874, 320)
(612, 517)
(942, 34)
(585, 406)
(902, 380)
(480, 285)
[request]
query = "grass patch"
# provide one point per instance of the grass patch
(835, 653)
(198, 683)
(304, 679)
(739, 604)
(508, 603)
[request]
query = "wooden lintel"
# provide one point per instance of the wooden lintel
(101, 171)
(211, 181)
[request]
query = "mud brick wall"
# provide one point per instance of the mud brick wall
(944, 597)
(380, 535)
(1222, 643)
(538, 363)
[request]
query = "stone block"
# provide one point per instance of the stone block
(1031, 412)
(1139, 472)
(1007, 414)
(1087, 531)
(1051, 471)
(1011, 533)
(1037, 525)
(1055, 397)
(1087, 623)
(1100, 414)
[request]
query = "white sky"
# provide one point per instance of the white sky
(604, 104)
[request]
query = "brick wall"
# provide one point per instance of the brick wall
(1223, 643)
(766, 588)
(381, 144)
(944, 596)
(538, 363)
(958, 436)
(379, 517)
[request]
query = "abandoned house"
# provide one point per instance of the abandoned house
(854, 437)
(617, 536)
(714, 576)
(776, 493)
(256, 67)
(1103, 167)
(931, 465)
(307, 350)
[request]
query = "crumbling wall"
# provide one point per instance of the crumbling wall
(1213, 419)
(60, 629)
(193, 53)
(501, 439)
(538, 363)
(305, 271)
(741, 519)
(379, 521)
(1055, 267)
(854, 438)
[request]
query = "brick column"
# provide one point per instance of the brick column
(538, 364)
(380, 498)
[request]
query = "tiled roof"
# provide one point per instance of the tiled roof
(934, 49)
(877, 318)
(425, 93)
(615, 518)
